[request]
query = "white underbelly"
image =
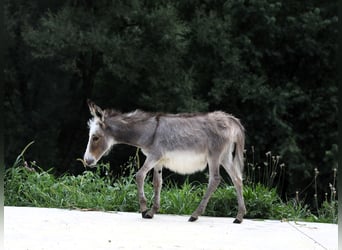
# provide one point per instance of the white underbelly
(184, 162)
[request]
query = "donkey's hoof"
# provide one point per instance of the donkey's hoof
(237, 221)
(146, 215)
(192, 219)
(143, 213)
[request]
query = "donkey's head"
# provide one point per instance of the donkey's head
(100, 141)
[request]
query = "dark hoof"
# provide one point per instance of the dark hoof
(146, 215)
(192, 219)
(237, 221)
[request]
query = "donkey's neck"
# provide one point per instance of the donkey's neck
(139, 134)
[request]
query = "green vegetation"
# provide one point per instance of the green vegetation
(97, 190)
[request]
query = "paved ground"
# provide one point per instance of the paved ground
(42, 228)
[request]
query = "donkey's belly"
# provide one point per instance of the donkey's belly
(184, 162)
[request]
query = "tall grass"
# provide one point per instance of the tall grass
(271, 174)
(28, 185)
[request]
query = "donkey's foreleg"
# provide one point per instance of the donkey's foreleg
(157, 185)
(214, 181)
(140, 178)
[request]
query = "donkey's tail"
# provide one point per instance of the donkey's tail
(239, 146)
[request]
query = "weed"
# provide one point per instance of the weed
(270, 173)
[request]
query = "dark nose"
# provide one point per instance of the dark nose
(89, 162)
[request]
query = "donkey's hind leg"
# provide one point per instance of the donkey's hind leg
(214, 181)
(157, 185)
(236, 177)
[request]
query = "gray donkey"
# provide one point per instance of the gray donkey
(183, 143)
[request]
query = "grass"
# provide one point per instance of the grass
(24, 187)
(28, 185)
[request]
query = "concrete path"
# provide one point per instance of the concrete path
(30, 228)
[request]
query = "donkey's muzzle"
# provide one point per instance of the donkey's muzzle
(89, 161)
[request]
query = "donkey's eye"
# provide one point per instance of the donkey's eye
(95, 138)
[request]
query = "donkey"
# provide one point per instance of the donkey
(183, 143)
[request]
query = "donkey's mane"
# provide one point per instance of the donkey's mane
(140, 115)
(111, 112)
(131, 117)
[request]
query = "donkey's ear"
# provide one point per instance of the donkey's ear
(95, 110)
